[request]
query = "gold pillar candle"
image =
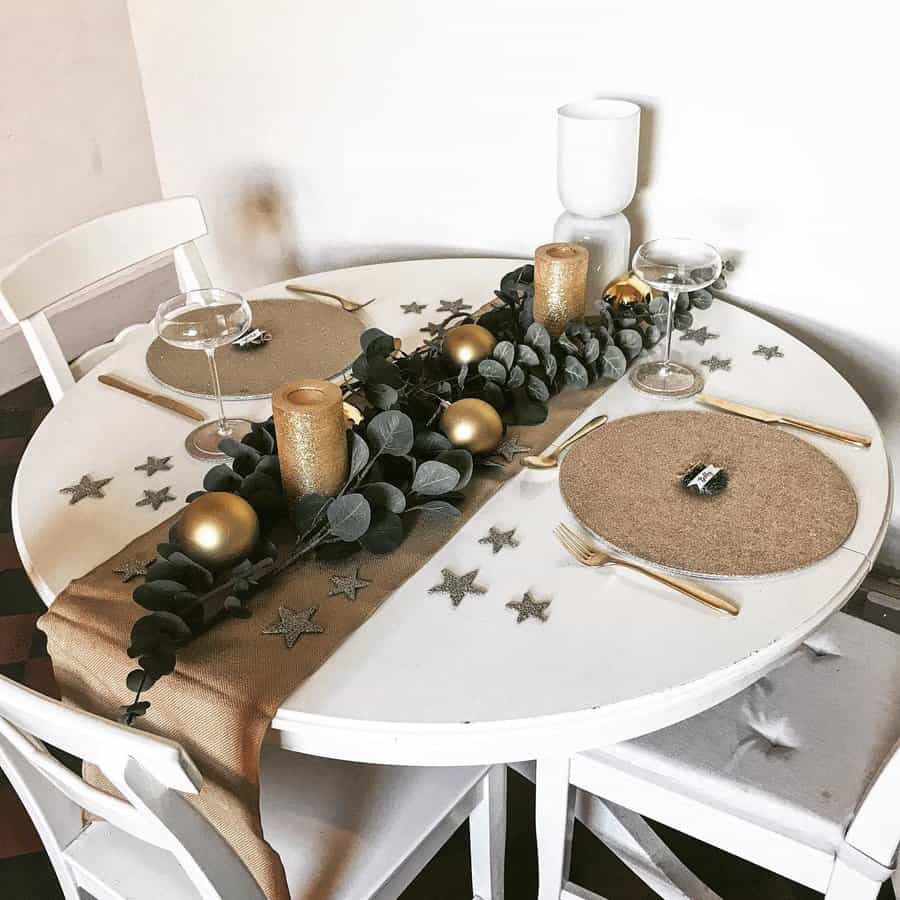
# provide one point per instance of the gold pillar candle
(311, 430)
(560, 279)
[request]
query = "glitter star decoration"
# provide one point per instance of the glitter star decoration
(509, 447)
(529, 608)
(86, 487)
(132, 568)
(499, 539)
(457, 586)
(714, 363)
(293, 624)
(700, 335)
(156, 498)
(412, 308)
(454, 306)
(767, 352)
(154, 464)
(347, 585)
(434, 330)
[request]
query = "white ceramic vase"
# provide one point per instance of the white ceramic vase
(597, 157)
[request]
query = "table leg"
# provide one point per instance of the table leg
(554, 821)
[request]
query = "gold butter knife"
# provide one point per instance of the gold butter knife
(169, 403)
(762, 415)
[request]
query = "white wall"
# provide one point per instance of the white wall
(404, 128)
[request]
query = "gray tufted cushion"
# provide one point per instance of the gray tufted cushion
(796, 751)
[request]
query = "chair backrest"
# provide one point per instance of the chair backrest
(150, 773)
(89, 253)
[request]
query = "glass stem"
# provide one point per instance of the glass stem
(224, 430)
(670, 326)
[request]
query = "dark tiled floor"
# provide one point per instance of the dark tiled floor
(25, 872)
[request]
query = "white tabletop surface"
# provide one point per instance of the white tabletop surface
(423, 682)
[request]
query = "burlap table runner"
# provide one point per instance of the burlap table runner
(228, 684)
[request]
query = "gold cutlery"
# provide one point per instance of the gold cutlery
(346, 305)
(762, 415)
(169, 403)
(589, 555)
(550, 458)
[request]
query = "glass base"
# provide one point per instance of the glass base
(203, 441)
(667, 379)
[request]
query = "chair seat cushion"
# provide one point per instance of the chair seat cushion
(796, 751)
(341, 828)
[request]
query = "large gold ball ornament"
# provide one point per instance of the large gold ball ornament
(468, 344)
(472, 425)
(217, 529)
(626, 291)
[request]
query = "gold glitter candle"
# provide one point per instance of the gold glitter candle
(560, 278)
(311, 430)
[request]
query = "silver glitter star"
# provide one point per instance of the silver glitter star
(156, 498)
(509, 447)
(499, 539)
(700, 335)
(154, 464)
(529, 608)
(86, 487)
(347, 584)
(434, 330)
(414, 308)
(454, 306)
(293, 624)
(715, 363)
(457, 586)
(132, 568)
(767, 352)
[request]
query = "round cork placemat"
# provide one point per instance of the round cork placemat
(309, 340)
(786, 504)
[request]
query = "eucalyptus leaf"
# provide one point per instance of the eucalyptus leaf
(462, 461)
(139, 680)
(492, 370)
(307, 510)
(382, 396)
(630, 342)
(221, 478)
(683, 303)
(516, 377)
(492, 393)
(575, 373)
(701, 299)
(384, 495)
(537, 390)
(359, 454)
(270, 465)
(157, 664)
(567, 344)
(434, 478)
(592, 350)
(658, 306)
(430, 442)
(652, 336)
(391, 432)
(349, 516)
(614, 362)
(683, 321)
(438, 508)
(525, 356)
(380, 371)
(538, 337)
(550, 366)
(385, 534)
(371, 335)
(505, 353)
(164, 595)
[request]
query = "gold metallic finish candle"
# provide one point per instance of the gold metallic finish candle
(560, 278)
(311, 430)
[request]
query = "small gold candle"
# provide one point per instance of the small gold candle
(560, 279)
(311, 430)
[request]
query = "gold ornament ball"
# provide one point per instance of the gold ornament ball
(627, 290)
(472, 425)
(217, 529)
(467, 344)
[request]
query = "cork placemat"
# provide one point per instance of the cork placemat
(786, 504)
(309, 340)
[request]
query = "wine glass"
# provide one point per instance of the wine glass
(204, 320)
(673, 265)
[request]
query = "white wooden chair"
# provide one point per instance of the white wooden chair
(343, 831)
(799, 774)
(87, 254)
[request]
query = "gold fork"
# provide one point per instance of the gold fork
(589, 555)
(347, 305)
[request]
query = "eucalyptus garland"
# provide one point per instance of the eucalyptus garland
(400, 463)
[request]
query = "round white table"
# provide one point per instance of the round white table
(423, 682)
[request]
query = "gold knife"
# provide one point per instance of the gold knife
(762, 415)
(170, 403)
